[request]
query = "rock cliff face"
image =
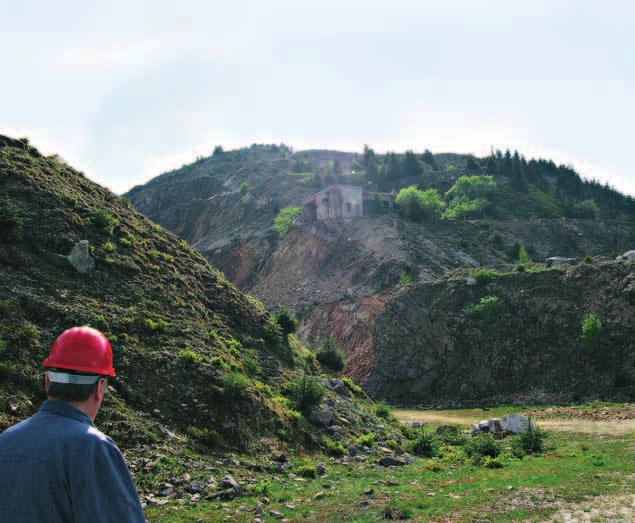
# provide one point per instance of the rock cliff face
(419, 345)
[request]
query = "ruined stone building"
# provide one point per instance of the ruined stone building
(336, 201)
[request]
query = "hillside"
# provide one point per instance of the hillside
(197, 360)
(342, 276)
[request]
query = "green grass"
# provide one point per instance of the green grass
(573, 468)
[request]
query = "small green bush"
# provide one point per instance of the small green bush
(235, 384)
(260, 489)
(3, 346)
(284, 220)
(483, 275)
(189, 356)
(286, 320)
(5, 306)
(307, 470)
(491, 463)
(523, 257)
(244, 188)
(530, 442)
(591, 331)
(382, 410)
(8, 369)
(425, 445)
(396, 510)
(330, 355)
(272, 333)
(305, 392)
(352, 386)
(405, 278)
(159, 325)
(365, 440)
(450, 435)
(334, 448)
(481, 446)
(104, 220)
(487, 310)
(109, 246)
(27, 334)
(207, 436)
(11, 221)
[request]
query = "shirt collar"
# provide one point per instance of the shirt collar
(63, 408)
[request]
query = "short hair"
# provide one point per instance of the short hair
(70, 391)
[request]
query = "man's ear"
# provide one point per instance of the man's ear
(101, 388)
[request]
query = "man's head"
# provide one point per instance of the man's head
(86, 397)
(78, 364)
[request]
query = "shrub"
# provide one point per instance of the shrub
(109, 246)
(207, 436)
(382, 410)
(334, 448)
(418, 205)
(330, 356)
(591, 331)
(491, 463)
(159, 325)
(481, 446)
(11, 221)
(450, 435)
(272, 333)
(106, 221)
(483, 275)
(487, 310)
(425, 444)
(235, 384)
(307, 470)
(189, 356)
(244, 188)
(5, 305)
(260, 489)
(127, 240)
(523, 257)
(3, 346)
(405, 278)
(27, 334)
(365, 440)
(8, 369)
(283, 222)
(585, 209)
(305, 392)
(352, 386)
(396, 511)
(530, 442)
(286, 320)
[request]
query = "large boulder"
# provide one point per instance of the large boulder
(322, 416)
(81, 259)
(515, 423)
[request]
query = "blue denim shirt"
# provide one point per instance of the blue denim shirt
(57, 467)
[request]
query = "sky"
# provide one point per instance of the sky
(125, 90)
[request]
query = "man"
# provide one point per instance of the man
(56, 466)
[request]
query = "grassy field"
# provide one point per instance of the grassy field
(586, 473)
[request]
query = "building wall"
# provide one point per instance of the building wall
(339, 201)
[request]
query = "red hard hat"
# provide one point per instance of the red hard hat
(83, 349)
